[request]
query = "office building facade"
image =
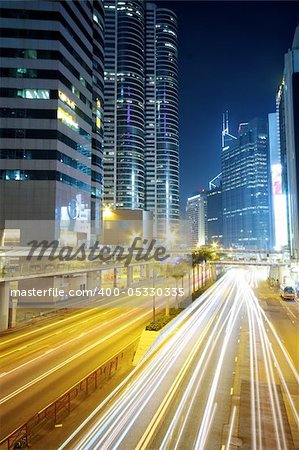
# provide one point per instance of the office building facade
(196, 215)
(288, 113)
(161, 124)
(214, 216)
(124, 104)
(278, 198)
(141, 149)
(52, 56)
(246, 186)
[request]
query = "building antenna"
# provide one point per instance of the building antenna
(226, 122)
(225, 129)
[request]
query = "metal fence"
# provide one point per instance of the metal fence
(56, 411)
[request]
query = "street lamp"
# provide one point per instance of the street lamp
(214, 245)
(107, 212)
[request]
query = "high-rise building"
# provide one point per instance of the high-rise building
(196, 215)
(124, 104)
(161, 117)
(214, 211)
(141, 150)
(245, 186)
(288, 112)
(51, 118)
(278, 198)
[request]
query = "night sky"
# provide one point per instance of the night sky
(231, 57)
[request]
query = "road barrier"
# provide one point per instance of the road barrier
(20, 438)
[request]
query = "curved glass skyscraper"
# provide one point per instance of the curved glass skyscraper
(141, 157)
(124, 104)
(167, 159)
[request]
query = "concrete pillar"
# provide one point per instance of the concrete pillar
(147, 271)
(13, 317)
(91, 280)
(143, 271)
(2, 234)
(115, 277)
(4, 305)
(129, 276)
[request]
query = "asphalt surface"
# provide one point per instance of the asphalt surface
(222, 375)
(41, 362)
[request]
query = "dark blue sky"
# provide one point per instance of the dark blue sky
(230, 57)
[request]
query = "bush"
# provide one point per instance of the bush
(162, 320)
(200, 291)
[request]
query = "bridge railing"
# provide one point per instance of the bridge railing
(21, 437)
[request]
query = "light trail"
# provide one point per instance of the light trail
(207, 418)
(231, 427)
(145, 390)
(140, 413)
(254, 319)
(101, 434)
(194, 384)
(67, 360)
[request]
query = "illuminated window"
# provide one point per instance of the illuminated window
(76, 91)
(42, 94)
(98, 114)
(66, 100)
(67, 119)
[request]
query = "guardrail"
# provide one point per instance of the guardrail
(20, 438)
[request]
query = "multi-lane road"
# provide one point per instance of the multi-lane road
(41, 362)
(219, 376)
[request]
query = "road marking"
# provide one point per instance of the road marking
(67, 361)
(231, 391)
(46, 326)
(62, 345)
(68, 329)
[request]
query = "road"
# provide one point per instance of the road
(218, 377)
(40, 363)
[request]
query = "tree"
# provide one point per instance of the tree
(202, 255)
(177, 270)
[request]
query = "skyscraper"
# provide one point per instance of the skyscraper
(278, 198)
(51, 117)
(124, 104)
(141, 156)
(245, 186)
(214, 211)
(196, 215)
(161, 108)
(288, 111)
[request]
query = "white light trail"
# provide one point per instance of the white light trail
(183, 354)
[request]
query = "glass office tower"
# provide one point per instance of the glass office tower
(246, 187)
(288, 111)
(124, 104)
(51, 117)
(196, 215)
(141, 156)
(278, 198)
(162, 133)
